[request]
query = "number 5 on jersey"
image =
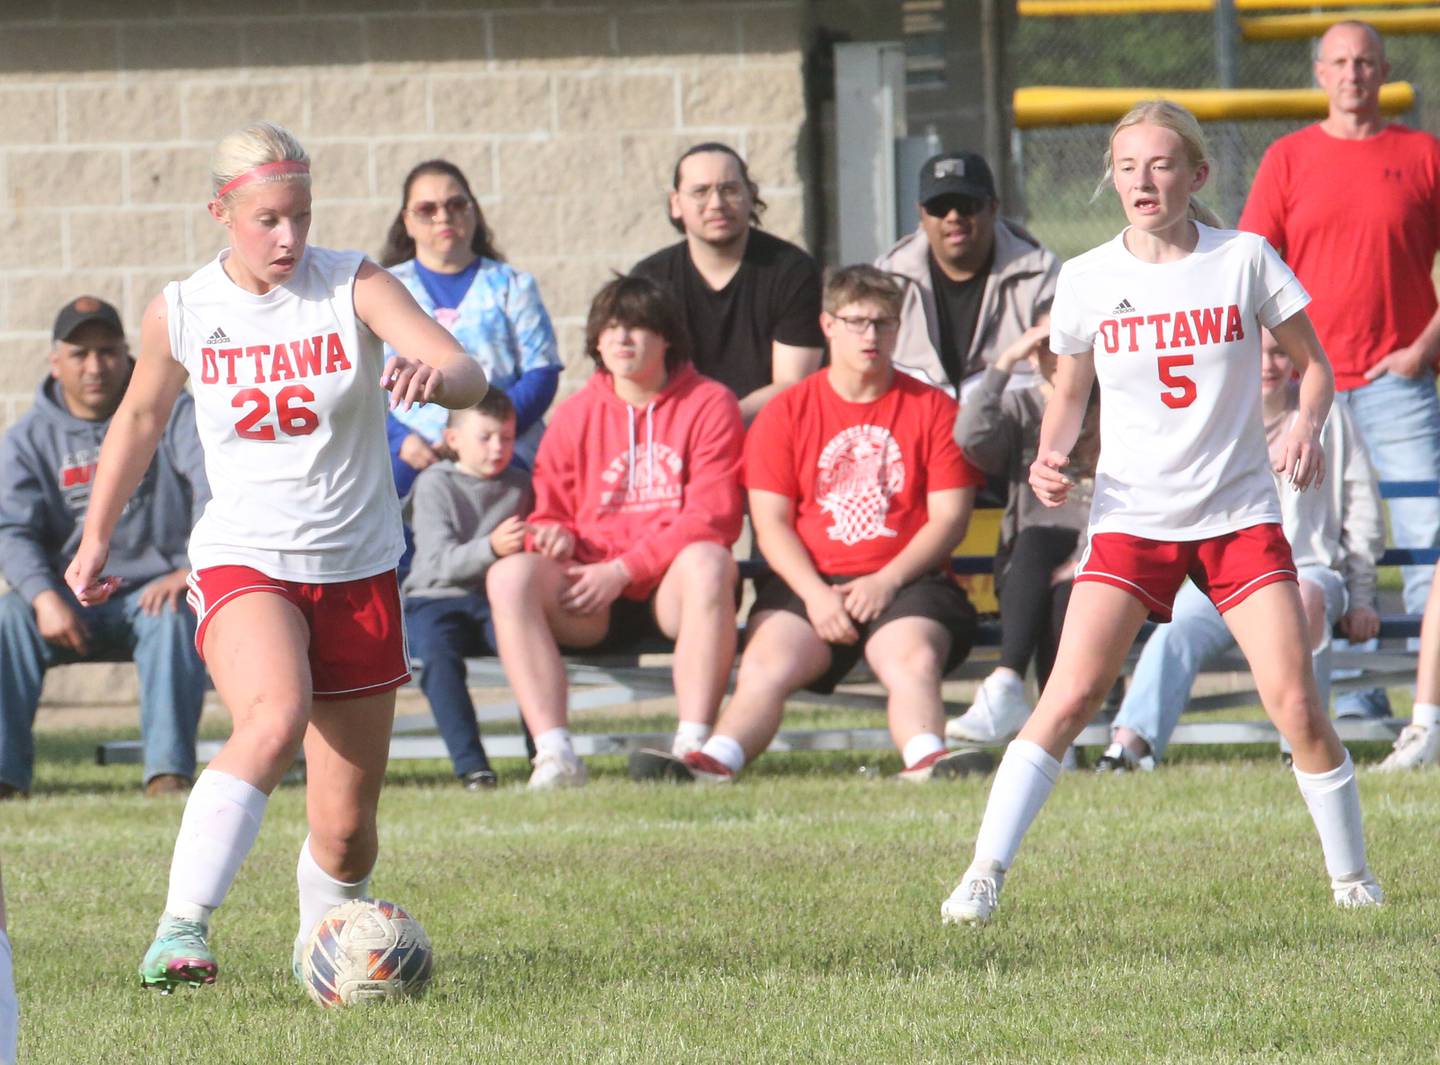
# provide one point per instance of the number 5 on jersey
(291, 415)
(1182, 388)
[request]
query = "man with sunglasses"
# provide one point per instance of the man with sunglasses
(979, 282)
(749, 300)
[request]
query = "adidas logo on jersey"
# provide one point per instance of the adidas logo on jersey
(1123, 307)
(218, 337)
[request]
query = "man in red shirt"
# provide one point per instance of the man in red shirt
(1353, 205)
(858, 495)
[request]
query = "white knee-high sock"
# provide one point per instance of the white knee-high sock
(319, 891)
(1334, 803)
(1021, 786)
(9, 1007)
(222, 818)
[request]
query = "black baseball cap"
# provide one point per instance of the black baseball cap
(956, 174)
(82, 310)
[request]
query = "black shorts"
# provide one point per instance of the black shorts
(632, 627)
(931, 595)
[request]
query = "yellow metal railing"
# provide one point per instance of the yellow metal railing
(1044, 105)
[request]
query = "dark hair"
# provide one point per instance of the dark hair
(861, 283)
(638, 302)
(758, 205)
(494, 404)
(400, 246)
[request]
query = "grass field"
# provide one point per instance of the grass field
(1180, 916)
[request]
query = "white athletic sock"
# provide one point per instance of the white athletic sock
(690, 736)
(1022, 784)
(9, 1005)
(921, 746)
(222, 818)
(1334, 803)
(1426, 714)
(320, 892)
(557, 740)
(726, 751)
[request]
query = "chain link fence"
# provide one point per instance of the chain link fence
(1059, 168)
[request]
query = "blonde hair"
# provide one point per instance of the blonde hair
(255, 145)
(1184, 125)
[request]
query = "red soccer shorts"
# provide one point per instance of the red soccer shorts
(357, 628)
(1226, 568)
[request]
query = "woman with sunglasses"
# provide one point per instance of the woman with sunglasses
(440, 248)
(1167, 317)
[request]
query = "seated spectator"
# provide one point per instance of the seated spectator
(465, 514)
(858, 495)
(442, 251)
(1336, 533)
(979, 280)
(46, 463)
(999, 431)
(637, 504)
(750, 301)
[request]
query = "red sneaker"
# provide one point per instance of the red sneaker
(707, 770)
(941, 765)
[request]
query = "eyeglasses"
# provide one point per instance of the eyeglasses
(730, 192)
(860, 325)
(965, 205)
(426, 210)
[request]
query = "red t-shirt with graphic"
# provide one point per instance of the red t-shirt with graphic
(858, 473)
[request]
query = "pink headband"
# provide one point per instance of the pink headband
(260, 173)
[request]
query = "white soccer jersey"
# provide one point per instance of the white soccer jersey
(291, 416)
(1177, 355)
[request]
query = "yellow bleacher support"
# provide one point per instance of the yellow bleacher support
(1286, 27)
(1048, 105)
(1080, 8)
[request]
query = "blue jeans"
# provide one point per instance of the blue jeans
(172, 679)
(1399, 419)
(442, 631)
(1175, 653)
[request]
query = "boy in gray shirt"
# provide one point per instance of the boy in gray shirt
(465, 514)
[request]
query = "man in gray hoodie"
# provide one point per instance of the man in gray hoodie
(47, 461)
(978, 281)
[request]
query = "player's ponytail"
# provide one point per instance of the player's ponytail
(261, 152)
(1183, 124)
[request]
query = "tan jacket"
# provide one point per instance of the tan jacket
(1020, 288)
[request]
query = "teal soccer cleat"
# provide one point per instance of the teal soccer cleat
(178, 957)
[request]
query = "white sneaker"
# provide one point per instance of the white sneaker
(1121, 759)
(1415, 748)
(555, 770)
(999, 711)
(1358, 893)
(977, 896)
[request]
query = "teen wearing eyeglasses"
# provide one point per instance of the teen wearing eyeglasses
(443, 252)
(858, 495)
(750, 301)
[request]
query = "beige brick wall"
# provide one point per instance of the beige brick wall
(567, 116)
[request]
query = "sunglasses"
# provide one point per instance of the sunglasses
(426, 210)
(965, 205)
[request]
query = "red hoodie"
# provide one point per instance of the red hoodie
(640, 484)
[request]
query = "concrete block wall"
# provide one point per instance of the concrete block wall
(567, 115)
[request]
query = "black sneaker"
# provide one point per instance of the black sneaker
(651, 763)
(480, 780)
(1121, 759)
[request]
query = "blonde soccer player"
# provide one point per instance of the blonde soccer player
(293, 560)
(1167, 316)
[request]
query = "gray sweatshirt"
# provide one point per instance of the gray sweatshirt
(452, 514)
(999, 431)
(47, 462)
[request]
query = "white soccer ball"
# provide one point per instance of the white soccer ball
(368, 950)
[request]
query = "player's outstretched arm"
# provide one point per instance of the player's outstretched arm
(1302, 458)
(130, 441)
(431, 366)
(1060, 428)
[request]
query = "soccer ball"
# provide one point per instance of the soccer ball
(367, 950)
